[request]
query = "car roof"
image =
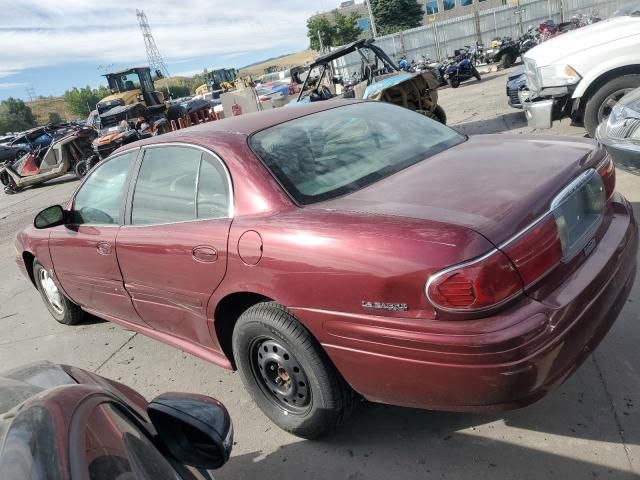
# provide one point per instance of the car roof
(241, 126)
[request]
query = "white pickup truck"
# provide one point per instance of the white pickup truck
(583, 73)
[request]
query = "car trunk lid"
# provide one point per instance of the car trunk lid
(494, 184)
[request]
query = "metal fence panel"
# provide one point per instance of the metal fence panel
(439, 39)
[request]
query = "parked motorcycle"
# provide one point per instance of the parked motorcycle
(504, 51)
(45, 163)
(527, 40)
(460, 70)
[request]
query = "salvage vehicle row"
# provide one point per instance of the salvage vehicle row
(327, 252)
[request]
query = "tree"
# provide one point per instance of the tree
(80, 101)
(346, 28)
(177, 91)
(395, 15)
(54, 117)
(320, 24)
(15, 116)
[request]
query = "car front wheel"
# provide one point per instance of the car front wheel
(599, 106)
(288, 374)
(60, 307)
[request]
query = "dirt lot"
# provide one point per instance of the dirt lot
(588, 428)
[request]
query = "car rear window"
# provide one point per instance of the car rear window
(338, 151)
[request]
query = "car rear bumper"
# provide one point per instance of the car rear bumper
(510, 360)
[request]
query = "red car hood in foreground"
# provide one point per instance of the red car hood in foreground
(493, 184)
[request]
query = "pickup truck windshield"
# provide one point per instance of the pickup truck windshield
(334, 152)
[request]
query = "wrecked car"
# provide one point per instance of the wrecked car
(68, 147)
(379, 78)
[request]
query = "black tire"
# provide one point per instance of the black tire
(476, 74)
(453, 82)
(81, 168)
(440, 114)
(596, 108)
(505, 61)
(63, 310)
(306, 396)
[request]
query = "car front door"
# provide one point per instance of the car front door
(173, 247)
(83, 251)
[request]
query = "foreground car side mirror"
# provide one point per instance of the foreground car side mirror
(196, 429)
(50, 217)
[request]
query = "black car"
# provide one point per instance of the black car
(40, 137)
(59, 422)
(516, 81)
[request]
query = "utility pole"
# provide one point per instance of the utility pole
(371, 19)
(320, 40)
(105, 67)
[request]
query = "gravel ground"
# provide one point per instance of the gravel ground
(588, 428)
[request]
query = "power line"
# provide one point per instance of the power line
(156, 62)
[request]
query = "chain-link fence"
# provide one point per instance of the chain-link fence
(439, 39)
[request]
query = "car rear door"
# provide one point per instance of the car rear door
(172, 249)
(83, 251)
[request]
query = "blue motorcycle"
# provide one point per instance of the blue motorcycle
(460, 70)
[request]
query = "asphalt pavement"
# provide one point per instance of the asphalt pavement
(588, 428)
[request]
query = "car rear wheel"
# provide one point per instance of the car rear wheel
(505, 61)
(440, 114)
(60, 307)
(601, 103)
(288, 374)
(81, 168)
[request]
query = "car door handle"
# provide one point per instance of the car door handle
(205, 254)
(104, 248)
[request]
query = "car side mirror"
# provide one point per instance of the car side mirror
(196, 429)
(50, 217)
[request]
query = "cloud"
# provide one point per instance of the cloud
(7, 85)
(40, 33)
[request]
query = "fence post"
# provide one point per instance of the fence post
(495, 22)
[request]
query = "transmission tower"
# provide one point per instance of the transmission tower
(156, 63)
(31, 93)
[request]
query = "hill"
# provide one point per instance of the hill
(284, 61)
(42, 106)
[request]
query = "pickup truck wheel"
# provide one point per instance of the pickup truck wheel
(288, 374)
(599, 106)
(60, 307)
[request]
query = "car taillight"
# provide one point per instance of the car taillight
(475, 286)
(536, 251)
(607, 172)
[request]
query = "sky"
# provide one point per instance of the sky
(53, 45)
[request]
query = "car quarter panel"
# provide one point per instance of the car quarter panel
(333, 261)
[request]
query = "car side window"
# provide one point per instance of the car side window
(213, 189)
(99, 199)
(116, 449)
(165, 190)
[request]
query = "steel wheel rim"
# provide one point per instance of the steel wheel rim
(607, 105)
(280, 376)
(51, 292)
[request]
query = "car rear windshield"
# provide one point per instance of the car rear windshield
(335, 152)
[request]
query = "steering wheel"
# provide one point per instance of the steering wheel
(324, 92)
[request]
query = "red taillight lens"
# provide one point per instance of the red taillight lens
(477, 285)
(607, 172)
(536, 251)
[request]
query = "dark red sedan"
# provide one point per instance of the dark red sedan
(342, 248)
